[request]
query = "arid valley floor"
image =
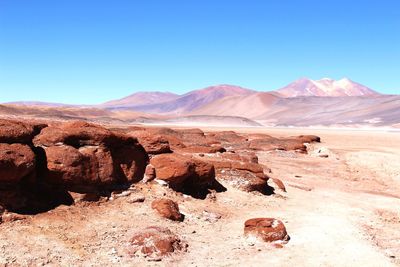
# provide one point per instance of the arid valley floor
(340, 208)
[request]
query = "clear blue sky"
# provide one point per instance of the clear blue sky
(83, 51)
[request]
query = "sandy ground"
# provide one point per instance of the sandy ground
(339, 211)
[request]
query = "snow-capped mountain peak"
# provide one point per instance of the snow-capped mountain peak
(325, 87)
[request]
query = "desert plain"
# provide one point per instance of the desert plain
(338, 199)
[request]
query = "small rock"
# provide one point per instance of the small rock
(267, 229)
(136, 199)
(167, 209)
(155, 243)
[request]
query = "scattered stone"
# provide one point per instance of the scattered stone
(155, 243)
(211, 216)
(301, 187)
(267, 229)
(167, 209)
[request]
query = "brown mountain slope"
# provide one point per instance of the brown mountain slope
(189, 101)
(251, 106)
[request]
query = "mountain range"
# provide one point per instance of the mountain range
(304, 102)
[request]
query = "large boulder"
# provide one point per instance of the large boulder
(266, 229)
(17, 162)
(173, 169)
(155, 243)
(185, 174)
(167, 208)
(84, 157)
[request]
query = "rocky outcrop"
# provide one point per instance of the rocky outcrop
(84, 157)
(167, 209)
(155, 243)
(266, 229)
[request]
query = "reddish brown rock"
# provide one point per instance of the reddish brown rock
(201, 149)
(84, 157)
(167, 209)
(18, 132)
(243, 156)
(309, 138)
(188, 175)
(173, 169)
(153, 144)
(244, 175)
(155, 243)
(79, 134)
(279, 184)
(272, 143)
(17, 162)
(149, 174)
(267, 229)
(227, 137)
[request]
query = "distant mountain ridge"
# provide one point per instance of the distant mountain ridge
(325, 87)
(179, 104)
(304, 102)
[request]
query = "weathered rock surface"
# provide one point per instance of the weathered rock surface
(267, 229)
(83, 157)
(18, 132)
(185, 174)
(309, 138)
(153, 144)
(149, 173)
(155, 243)
(173, 169)
(167, 208)
(17, 162)
(277, 183)
(239, 171)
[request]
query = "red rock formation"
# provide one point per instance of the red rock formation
(17, 162)
(173, 169)
(155, 243)
(238, 171)
(267, 229)
(18, 132)
(167, 209)
(185, 174)
(153, 144)
(83, 157)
